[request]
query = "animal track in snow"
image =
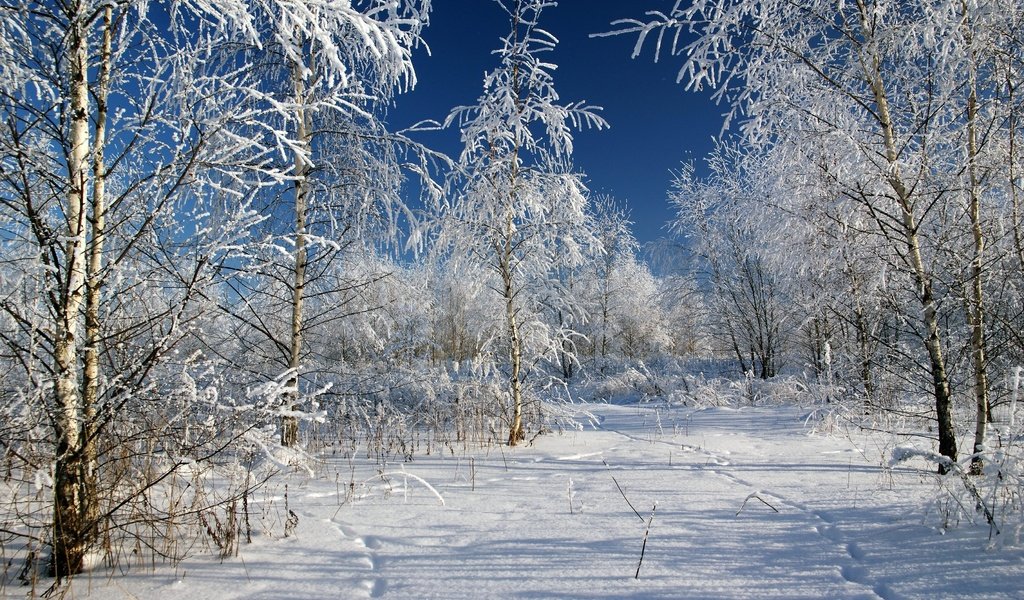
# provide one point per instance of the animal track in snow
(855, 574)
(375, 586)
(830, 533)
(851, 570)
(368, 542)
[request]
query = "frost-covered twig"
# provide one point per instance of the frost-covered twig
(403, 473)
(755, 495)
(904, 453)
(635, 511)
(643, 548)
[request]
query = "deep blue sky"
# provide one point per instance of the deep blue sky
(655, 123)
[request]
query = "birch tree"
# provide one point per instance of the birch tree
(319, 75)
(611, 224)
(873, 80)
(136, 138)
(519, 208)
(97, 162)
(981, 38)
(724, 216)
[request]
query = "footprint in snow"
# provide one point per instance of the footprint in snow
(344, 530)
(368, 542)
(830, 533)
(366, 562)
(883, 591)
(374, 586)
(371, 562)
(855, 574)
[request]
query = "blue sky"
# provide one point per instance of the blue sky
(655, 122)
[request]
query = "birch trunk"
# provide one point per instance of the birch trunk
(74, 484)
(894, 178)
(300, 171)
(1011, 161)
(1011, 175)
(507, 256)
(93, 287)
(976, 312)
(516, 433)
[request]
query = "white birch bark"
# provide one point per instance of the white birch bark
(72, 492)
(300, 172)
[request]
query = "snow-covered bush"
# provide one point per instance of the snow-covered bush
(993, 498)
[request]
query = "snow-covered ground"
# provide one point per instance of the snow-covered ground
(551, 520)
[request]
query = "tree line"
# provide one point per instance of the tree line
(197, 201)
(864, 213)
(201, 202)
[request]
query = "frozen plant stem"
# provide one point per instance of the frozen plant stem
(643, 548)
(756, 496)
(635, 511)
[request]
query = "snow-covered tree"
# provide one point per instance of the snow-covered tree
(885, 100)
(724, 216)
(640, 327)
(319, 76)
(519, 209)
(100, 167)
(612, 227)
(621, 298)
(137, 137)
(460, 312)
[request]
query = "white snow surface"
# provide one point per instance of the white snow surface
(547, 520)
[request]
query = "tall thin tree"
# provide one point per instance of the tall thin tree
(519, 209)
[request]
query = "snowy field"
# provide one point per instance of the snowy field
(548, 520)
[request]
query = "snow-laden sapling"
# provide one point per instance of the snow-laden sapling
(518, 209)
